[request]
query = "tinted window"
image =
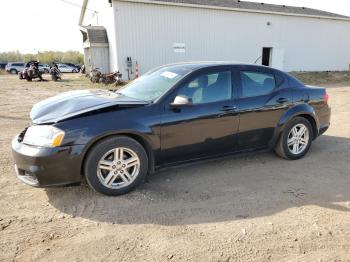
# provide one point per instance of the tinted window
(279, 80)
(256, 83)
(207, 88)
(18, 64)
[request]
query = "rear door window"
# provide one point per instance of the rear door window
(256, 83)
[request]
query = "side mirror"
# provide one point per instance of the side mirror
(181, 101)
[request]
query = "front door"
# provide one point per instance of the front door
(208, 127)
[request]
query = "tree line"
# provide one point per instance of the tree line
(46, 57)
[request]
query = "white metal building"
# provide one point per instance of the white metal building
(157, 32)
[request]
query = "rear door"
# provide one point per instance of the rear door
(264, 97)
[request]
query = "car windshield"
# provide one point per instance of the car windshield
(154, 84)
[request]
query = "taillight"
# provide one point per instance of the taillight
(325, 98)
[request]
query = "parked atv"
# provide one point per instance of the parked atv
(31, 71)
(55, 73)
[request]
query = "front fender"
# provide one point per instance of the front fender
(294, 111)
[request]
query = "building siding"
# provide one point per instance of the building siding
(147, 33)
(100, 58)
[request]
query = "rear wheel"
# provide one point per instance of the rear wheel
(116, 165)
(295, 140)
(13, 71)
(54, 78)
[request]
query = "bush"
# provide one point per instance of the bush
(47, 57)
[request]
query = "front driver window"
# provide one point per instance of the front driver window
(208, 88)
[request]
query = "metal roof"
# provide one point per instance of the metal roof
(95, 34)
(253, 6)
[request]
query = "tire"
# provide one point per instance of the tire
(104, 151)
(298, 151)
(13, 71)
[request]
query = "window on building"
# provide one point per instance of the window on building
(257, 83)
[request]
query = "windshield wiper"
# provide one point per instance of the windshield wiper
(119, 93)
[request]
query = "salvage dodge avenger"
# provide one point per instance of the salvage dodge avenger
(172, 115)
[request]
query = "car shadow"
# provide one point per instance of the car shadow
(250, 186)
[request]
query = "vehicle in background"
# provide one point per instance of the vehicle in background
(14, 68)
(112, 78)
(82, 69)
(173, 115)
(67, 69)
(73, 65)
(45, 68)
(2, 65)
(55, 73)
(31, 71)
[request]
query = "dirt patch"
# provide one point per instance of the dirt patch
(256, 207)
(339, 78)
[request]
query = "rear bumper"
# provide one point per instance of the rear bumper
(324, 119)
(323, 129)
(45, 167)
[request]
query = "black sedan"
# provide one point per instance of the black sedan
(170, 116)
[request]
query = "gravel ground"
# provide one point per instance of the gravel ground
(256, 207)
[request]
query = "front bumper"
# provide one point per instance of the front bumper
(44, 167)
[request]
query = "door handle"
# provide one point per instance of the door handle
(282, 100)
(228, 109)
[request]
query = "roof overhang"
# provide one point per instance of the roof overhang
(234, 9)
(88, 30)
(82, 12)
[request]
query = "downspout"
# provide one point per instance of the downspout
(82, 13)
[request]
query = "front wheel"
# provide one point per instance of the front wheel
(295, 140)
(116, 165)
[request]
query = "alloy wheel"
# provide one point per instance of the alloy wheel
(298, 139)
(118, 168)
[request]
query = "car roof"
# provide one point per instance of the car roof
(195, 65)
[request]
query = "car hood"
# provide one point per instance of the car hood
(74, 103)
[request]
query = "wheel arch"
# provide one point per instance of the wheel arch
(301, 110)
(136, 136)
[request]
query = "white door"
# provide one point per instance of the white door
(278, 58)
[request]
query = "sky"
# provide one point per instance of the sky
(39, 25)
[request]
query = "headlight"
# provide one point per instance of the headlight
(46, 136)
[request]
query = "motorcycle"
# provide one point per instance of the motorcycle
(112, 78)
(82, 69)
(31, 71)
(95, 76)
(55, 73)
